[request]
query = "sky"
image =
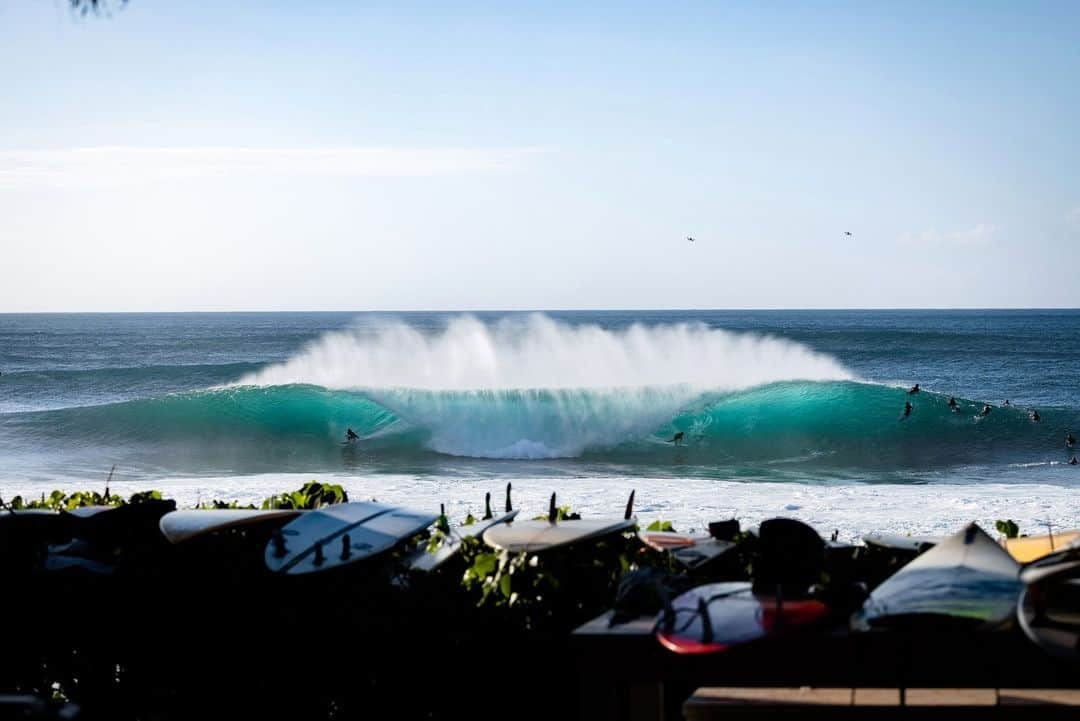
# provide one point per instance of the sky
(175, 156)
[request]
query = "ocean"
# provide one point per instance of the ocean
(791, 413)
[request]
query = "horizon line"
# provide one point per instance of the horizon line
(546, 310)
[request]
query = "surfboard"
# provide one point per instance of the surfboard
(1049, 607)
(338, 535)
(1054, 564)
(717, 616)
(543, 535)
(299, 537)
(669, 540)
(425, 560)
(1030, 548)
(967, 579)
(896, 542)
(689, 551)
(1048, 616)
(180, 526)
(113, 524)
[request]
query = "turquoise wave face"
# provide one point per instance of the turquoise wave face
(844, 424)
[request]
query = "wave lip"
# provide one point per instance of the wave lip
(537, 352)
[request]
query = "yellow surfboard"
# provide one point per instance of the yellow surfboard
(1030, 548)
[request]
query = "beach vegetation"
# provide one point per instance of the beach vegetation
(310, 496)
(1008, 528)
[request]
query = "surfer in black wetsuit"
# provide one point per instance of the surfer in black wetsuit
(1034, 416)
(907, 409)
(1073, 461)
(953, 405)
(351, 436)
(985, 411)
(1070, 440)
(914, 389)
(677, 438)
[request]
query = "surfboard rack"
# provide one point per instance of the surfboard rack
(508, 506)
(553, 512)
(629, 507)
(487, 507)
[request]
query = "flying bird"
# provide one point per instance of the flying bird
(690, 239)
(847, 232)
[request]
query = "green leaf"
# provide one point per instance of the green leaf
(1008, 528)
(659, 525)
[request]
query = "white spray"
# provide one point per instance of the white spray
(533, 387)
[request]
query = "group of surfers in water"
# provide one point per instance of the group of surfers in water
(677, 439)
(1070, 439)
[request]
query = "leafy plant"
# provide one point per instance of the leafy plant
(216, 505)
(562, 513)
(145, 496)
(1008, 528)
(311, 496)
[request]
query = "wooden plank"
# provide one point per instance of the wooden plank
(950, 697)
(750, 696)
(877, 697)
(1039, 697)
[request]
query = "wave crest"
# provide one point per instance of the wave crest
(538, 352)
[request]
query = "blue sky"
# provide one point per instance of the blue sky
(283, 155)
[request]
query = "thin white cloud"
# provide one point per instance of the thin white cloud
(976, 236)
(118, 165)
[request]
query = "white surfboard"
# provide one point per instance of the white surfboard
(967, 577)
(542, 535)
(299, 537)
(338, 535)
(425, 560)
(179, 526)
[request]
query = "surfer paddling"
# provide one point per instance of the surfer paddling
(677, 438)
(914, 389)
(907, 410)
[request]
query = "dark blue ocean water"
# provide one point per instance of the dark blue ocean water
(784, 395)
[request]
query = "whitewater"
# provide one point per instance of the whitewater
(781, 413)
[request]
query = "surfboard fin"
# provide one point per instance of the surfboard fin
(508, 506)
(629, 507)
(706, 622)
(487, 506)
(346, 551)
(319, 557)
(553, 512)
(278, 539)
(107, 481)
